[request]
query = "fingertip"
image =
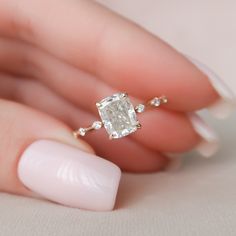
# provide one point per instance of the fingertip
(69, 176)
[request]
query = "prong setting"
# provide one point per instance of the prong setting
(124, 95)
(112, 136)
(98, 104)
(139, 126)
(164, 99)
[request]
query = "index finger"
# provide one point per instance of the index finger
(85, 34)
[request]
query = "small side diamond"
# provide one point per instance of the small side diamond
(140, 108)
(82, 131)
(156, 102)
(97, 125)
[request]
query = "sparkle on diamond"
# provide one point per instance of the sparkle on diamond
(118, 115)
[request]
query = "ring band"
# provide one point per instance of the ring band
(119, 116)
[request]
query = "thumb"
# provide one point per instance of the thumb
(40, 157)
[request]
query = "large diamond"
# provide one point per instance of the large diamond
(118, 115)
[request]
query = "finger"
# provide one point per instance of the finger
(40, 157)
(114, 49)
(173, 132)
(15, 57)
(127, 154)
(162, 130)
(176, 134)
(167, 131)
(18, 58)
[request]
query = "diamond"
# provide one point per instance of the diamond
(118, 115)
(156, 102)
(140, 108)
(97, 125)
(82, 131)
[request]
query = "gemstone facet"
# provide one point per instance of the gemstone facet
(118, 115)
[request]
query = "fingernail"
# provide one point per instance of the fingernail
(69, 176)
(210, 141)
(175, 162)
(224, 106)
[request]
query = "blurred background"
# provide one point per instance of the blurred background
(204, 29)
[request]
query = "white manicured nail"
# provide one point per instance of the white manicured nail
(69, 176)
(226, 105)
(210, 141)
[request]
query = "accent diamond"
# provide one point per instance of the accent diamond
(97, 125)
(118, 115)
(156, 102)
(82, 131)
(140, 108)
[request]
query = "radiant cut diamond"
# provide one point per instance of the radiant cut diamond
(118, 115)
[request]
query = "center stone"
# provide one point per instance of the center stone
(118, 115)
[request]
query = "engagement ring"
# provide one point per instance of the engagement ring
(119, 116)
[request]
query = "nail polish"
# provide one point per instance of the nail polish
(69, 176)
(210, 141)
(227, 102)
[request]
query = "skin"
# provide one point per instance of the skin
(59, 57)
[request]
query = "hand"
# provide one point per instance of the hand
(59, 57)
